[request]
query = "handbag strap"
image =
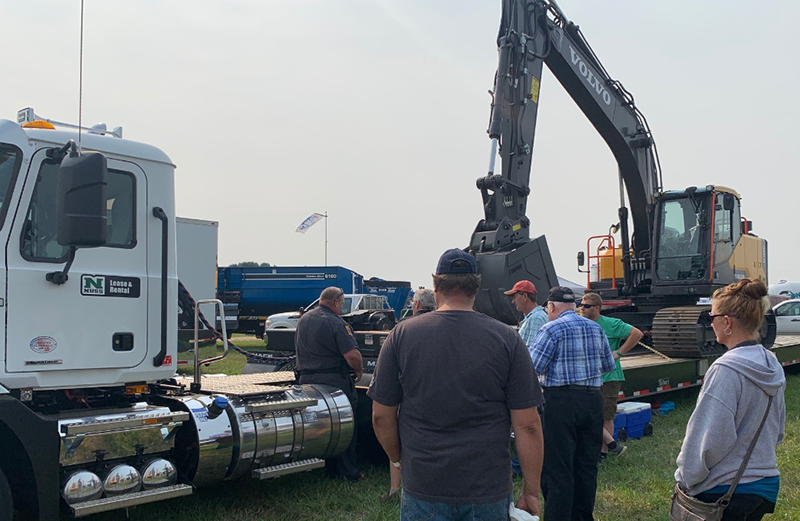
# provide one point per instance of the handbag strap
(724, 500)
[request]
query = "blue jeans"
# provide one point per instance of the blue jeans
(414, 509)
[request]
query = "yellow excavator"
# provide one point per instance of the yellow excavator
(675, 247)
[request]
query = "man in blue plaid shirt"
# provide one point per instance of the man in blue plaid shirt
(570, 353)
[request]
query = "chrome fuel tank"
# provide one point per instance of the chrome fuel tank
(303, 422)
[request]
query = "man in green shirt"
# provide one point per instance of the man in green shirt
(622, 338)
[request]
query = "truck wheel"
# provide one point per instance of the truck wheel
(289, 365)
(6, 500)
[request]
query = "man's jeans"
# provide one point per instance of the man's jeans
(414, 509)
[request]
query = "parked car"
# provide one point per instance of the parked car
(787, 316)
(363, 311)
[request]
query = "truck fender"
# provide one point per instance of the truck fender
(30, 459)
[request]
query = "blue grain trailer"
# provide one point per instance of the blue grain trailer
(252, 294)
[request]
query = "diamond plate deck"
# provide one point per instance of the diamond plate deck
(243, 385)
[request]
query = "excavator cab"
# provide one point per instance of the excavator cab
(700, 242)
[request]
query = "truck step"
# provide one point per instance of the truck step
(130, 421)
(280, 405)
(129, 500)
(288, 468)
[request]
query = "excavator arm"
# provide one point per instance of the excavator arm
(534, 33)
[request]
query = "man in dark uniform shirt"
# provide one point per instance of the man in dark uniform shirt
(326, 353)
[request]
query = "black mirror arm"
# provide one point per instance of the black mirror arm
(60, 277)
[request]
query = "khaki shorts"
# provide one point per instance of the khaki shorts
(610, 392)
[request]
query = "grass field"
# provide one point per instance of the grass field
(634, 487)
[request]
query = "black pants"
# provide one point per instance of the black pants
(743, 507)
(573, 435)
(344, 465)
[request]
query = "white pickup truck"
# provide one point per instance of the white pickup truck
(362, 311)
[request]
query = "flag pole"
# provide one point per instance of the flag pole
(326, 237)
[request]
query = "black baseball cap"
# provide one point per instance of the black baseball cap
(561, 294)
(456, 261)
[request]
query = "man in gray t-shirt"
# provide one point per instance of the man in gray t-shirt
(463, 379)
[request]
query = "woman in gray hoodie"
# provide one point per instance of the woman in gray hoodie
(730, 408)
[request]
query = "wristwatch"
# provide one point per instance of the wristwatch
(396, 464)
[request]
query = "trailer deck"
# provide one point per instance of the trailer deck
(647, 374)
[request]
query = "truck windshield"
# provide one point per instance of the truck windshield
(10, 160)
(682, 240)
(347, 307)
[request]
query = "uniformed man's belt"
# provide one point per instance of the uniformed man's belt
(336, 370)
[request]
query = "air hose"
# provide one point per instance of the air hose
(251, 357)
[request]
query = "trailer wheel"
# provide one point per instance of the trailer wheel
(6, 500)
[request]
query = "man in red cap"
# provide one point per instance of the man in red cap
(523, 295)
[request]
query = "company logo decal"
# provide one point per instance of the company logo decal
(93, 285)
(591, 79)
(43, 344)
(110, 286)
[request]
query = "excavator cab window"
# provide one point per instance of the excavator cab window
(682, 239)
(726, 228)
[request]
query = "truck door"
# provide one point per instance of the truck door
(98, 318)
(10, 164)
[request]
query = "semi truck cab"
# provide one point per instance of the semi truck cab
(103, 325)
(93, 416)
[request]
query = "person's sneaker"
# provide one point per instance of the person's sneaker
(619, 450)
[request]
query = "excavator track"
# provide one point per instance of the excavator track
(685, 332)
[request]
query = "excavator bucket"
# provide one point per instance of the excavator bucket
(501, 270)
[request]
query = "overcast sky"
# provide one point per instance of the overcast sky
(376, 112)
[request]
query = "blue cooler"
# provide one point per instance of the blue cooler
(619, 423)
(637, 416)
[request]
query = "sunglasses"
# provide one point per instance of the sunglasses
(712, 317)
(587, 306)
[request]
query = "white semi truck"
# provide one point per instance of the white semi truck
(92, 417)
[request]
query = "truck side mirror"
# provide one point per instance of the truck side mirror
(81, 200)
(581, 259)
(728, 202)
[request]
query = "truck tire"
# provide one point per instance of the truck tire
(6, 499)
(289, 365)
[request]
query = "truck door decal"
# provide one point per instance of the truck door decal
(110, 286)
